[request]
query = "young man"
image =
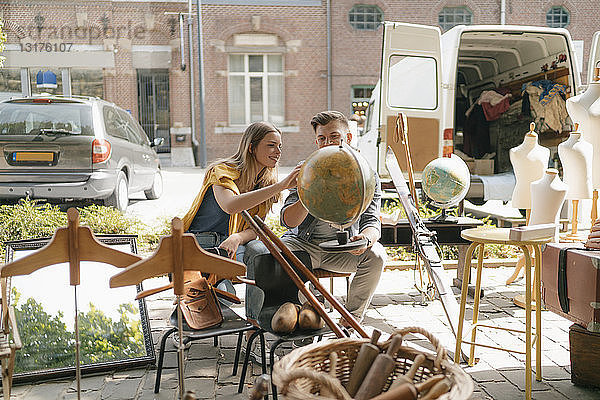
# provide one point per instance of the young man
(331, 127)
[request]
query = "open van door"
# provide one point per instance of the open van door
(411, 77)
(594, 57)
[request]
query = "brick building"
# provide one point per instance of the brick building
(262, 59)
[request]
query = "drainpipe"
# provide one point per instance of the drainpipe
(202, 147)
(329, 83)
(181, 43)
(192, 78)
(502, 12)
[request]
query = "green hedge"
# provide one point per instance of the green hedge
(33, 219)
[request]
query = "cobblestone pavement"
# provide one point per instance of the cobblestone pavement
(498, 375)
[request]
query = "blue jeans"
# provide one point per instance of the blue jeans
(214, 239)
(254, 295)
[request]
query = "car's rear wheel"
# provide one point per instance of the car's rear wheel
(119, 199)
(157, 187)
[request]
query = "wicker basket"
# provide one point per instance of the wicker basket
(301, 374)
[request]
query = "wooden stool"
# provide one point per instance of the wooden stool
(322, 273)
(479, 238)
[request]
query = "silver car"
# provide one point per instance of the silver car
(75, 148)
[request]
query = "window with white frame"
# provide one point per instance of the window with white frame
(557, 17)
(255, 88)
(452, 16)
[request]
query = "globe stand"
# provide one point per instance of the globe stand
(341, 243)
(444, 218)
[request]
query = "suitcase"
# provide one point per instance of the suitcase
(573, 291)
(585, 356)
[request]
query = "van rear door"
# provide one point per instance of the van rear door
(411, 76)
(594, 56)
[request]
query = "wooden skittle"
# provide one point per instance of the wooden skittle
(404, 391)
(438, 389)
(366, 355)
(382, 367)
(423, 387)
(410, 375)
(408, 391)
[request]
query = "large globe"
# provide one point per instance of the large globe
(336, 184)
(446, 180)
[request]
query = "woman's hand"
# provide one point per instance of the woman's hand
(231, 244)
(290, 181)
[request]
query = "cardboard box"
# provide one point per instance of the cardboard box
(481, 167)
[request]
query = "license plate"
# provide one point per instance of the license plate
(33, 156)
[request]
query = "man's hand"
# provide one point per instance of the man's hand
(231, 244)
(354, 238)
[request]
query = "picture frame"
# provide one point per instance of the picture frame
(114, 328)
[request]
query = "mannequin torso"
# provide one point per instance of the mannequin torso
(576, 157)
(585, 109)
(529, 160)
(547, 197)
(578, 106)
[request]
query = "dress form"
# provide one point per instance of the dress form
(585, 109)
(529, 160)
(576, 157)
(547, 197)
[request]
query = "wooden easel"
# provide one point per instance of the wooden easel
(175, 254)
(72, 244)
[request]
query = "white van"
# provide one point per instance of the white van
(435, 78)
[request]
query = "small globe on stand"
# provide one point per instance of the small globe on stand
(336, 184)
(446, 181)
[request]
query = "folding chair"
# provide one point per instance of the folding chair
(278, 288)
(232, 323)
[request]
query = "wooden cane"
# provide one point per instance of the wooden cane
(310, 276)
(290, 271)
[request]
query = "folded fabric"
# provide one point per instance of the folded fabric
(493, 112)
(492, 97)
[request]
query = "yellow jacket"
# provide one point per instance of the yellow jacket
(223, 175)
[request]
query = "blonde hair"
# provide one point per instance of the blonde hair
(252, 175)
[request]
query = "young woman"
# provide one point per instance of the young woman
(245, 181)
